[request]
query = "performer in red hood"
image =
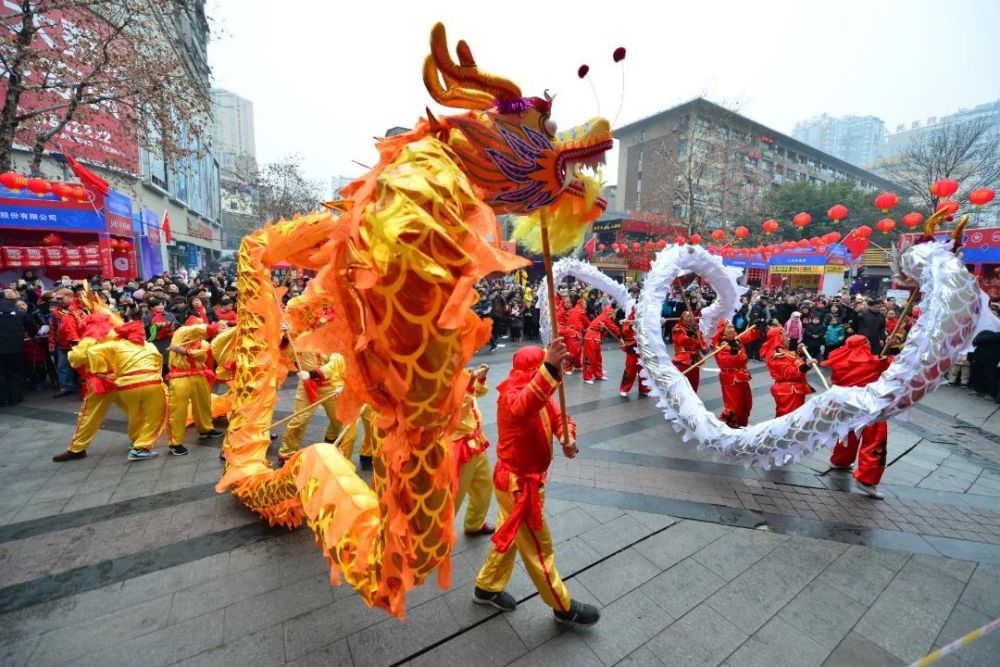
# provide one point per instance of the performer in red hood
(572, 331)
(787, 369)
(629, 347)
(854, 365)
(689, 345)
(527, 421)
(593, 357)
(737, 399)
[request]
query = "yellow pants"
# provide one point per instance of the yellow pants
(368, 440)
(292, 439)
(93, 410)
(475, 480)
(146, 409)
(192, 390)
(537, 555)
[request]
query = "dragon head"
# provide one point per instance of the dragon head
(508, 143)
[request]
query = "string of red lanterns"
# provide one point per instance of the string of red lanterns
(41, 187)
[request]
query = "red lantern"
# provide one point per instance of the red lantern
(885, 225)
(912, 219)
(115, 244)
(949, 206)
(601, 247)
(885, 201)
(837, 212)
(718, 235)
(770, 226)
(815, 241)
(695, 239)
(803, 243)
(650, 245)
(636, 246)
(831, 237)
(801, 219)
(981, 196)
(864, 231)
(39, 186)
(79, 193)
(944, 187)
(741, 232)
(62, 190)
(13, 181)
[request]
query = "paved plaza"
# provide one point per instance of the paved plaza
(692, 561)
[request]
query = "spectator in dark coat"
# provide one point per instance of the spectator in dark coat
(13, 327)
(984, 360)
(870, 323)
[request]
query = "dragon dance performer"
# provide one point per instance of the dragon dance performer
(320, 376)
(369, 439)
(190, 380)
(527, 420)
(689, 345)
(135, 365)
(593, 357)
(572, 332)
(629, 346)
(224, 353)
(98, 391)
(787, 370)
(473, 466)
(734, 378)
(854, 365)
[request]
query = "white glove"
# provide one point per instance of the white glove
(303, 375)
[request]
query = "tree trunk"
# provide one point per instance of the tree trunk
(15, 85)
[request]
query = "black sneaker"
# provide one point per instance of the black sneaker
(211, 434)
(365, 462)
(503, 600)
(579, 614)
(69, 456)
(178, 450)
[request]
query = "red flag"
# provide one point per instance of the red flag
(591, 247)
(87, 177)
(165, 228)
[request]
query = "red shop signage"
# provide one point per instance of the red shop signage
(14, 256)
(74, 256)
(91, 255)
(53, 256)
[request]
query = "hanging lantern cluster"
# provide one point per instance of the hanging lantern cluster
(41, 187)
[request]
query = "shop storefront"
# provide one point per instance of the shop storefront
(981, 253)
(59, 229)
(806, 269)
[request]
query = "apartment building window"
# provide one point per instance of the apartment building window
(682, 148)
(680, 211)
(640, 162)
(642, 135)
(767, 165)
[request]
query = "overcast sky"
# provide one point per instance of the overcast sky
(325, 77)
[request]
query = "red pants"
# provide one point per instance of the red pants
(574, 360)
(694, 377)
(593, 359)
(785, 403)
(870, 451)
(631, 373)
(737, 401)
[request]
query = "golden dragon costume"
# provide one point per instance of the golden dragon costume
(397, 263)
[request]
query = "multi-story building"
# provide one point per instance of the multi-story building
(903, 137)
(233, 134)
(859, 140)
(701, 158)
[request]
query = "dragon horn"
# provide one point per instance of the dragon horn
(452, 96)
(932, 222)
(464, 76)
(956, 235)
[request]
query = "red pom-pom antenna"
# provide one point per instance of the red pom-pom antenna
(619, 54)
(583, 71)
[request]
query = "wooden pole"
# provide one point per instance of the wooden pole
(714, 352)
(907, 307)
(309, 407)
(550, 284)
(815, 366)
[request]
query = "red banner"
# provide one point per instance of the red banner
(74, 256)
(54, 256)
(14, 257)
(34, 256)
(91, 255)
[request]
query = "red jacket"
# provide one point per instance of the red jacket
(605, 320)
(67, 328)
(527, 420)
(786, 370)
(577, 319)
(687, 348)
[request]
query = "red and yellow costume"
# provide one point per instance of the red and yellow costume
(326, 376)
(199, 316)
(788, 372)
(593, 358)
(734, 378)
(688, 344)
(98, 391)
(629, 347)
(527, 420)
(853, 365)
(191, 378)
(472, 474)
(572, 333)
(136, 366)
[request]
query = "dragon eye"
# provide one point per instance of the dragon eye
(551, 127)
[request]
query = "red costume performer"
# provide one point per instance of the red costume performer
(688, 346)
(572, 333)
(593, 357)
(788, 372)
(734, 378)
(629, 347)
(854, 365)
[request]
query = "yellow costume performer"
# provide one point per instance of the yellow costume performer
(136, 366)
(224, 353)
(473, 466)
(191, 378)
(98, 391)
(321, 376)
